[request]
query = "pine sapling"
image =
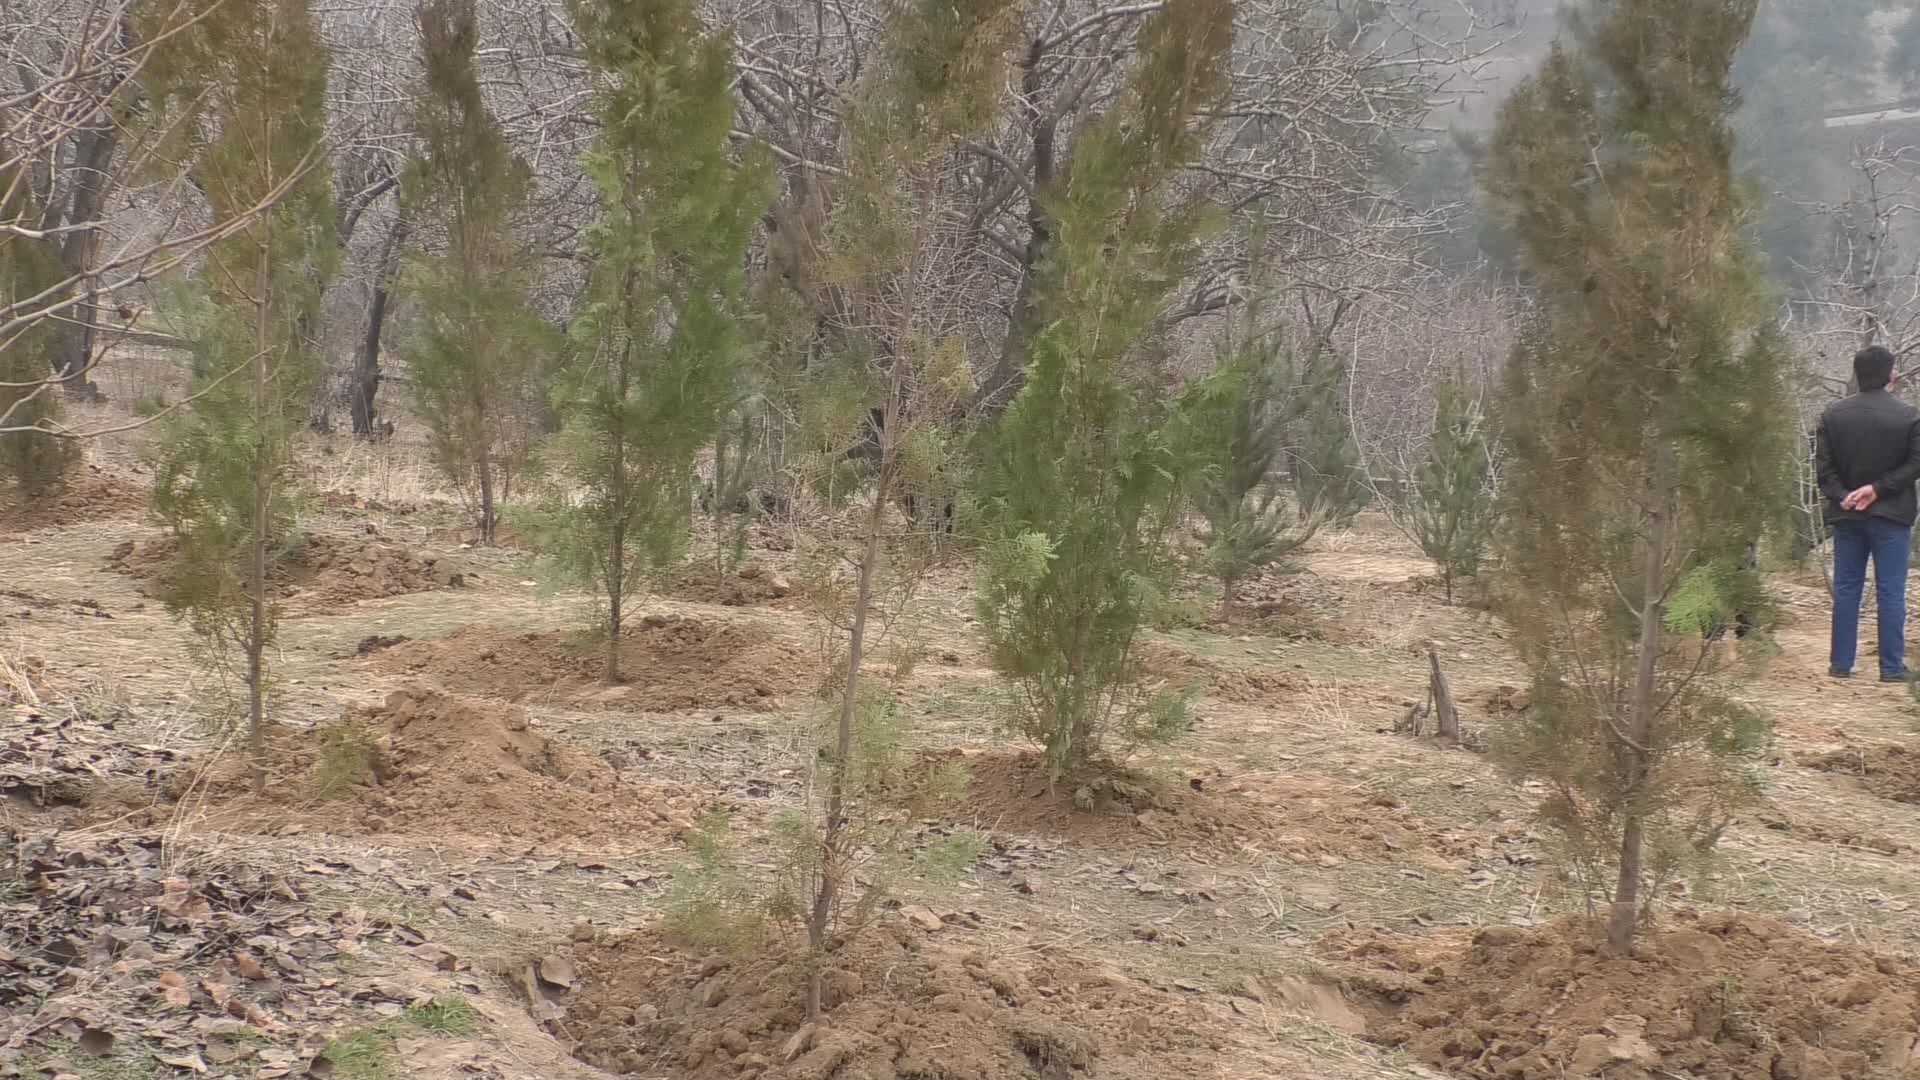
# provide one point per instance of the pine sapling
(1329, 477)
(931, 84)
(32, 461)
(1234, 433)
(1453, 504)
(479, 341)
(224, 466)
(659, 346)
(1649, 441)
(1081, 473)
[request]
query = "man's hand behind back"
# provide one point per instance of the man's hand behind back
(1860, 499)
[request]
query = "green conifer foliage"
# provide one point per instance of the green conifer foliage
(33, 462)
(1453, 507)
(660, 345)
(1329, 480)
(1081, 472)
(1648, 427)
(481, 341)
(1235, 433)
(252, 73)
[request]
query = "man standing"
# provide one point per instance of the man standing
(1868, 460)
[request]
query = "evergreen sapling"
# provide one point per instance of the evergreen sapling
(1081, 473)
(660, 345)
(1649, 440)
(479, 341)
(1453, 498)
(224, 465)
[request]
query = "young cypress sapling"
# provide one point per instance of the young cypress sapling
(659, 347)
(1453, 498)
(1649, 434)
(480, 340)
(1081, 473)
(224, 466)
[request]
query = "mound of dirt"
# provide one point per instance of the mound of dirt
(1812, 827)
(749, 586)
(671, 664)
(1240, 685)
(89, 494)
(427, 762)
(900, 1004)
(1889, 771)
(1718, 996)
(324, 569)
(1301, 818)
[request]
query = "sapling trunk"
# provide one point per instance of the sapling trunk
(1635, 749)
(830, 854)
(719, 508)
(617, 534)
(262, 491)
(486, 498)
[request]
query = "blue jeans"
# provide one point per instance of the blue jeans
(1889, 545)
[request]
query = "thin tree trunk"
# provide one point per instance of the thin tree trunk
(486, 498)
(93, 157)
(1227, 586)
(366, 361)
(830, 870)
(720, 498)
(1009, 371)
(1626, 892)
(262, 491)
(617, 534)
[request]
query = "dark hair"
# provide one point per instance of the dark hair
(1873, 367)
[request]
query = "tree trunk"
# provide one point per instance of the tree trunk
(719, 507)
(830, 868)
(93, 152)
(617, 533)
(1227, 586)
(262, 491)
(366, 361)
(1009, 372)
(1624, 916)
(486, 499)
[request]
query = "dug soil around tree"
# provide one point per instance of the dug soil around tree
(88, 494)
(902, 1004)
(750, 586)
(318, 571)
(1889, 771)
(1306, 820)
(1719, 996)
(429, 763)
(670, 664)
(1183, 670)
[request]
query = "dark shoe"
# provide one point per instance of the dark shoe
(1836, 673)
(1898, 677)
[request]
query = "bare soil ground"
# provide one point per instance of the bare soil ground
(455, 797)
(320, 570)
(424, 763)
(1721, 995)
(668, 663)
(90, 493)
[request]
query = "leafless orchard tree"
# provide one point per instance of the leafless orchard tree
(1324, 91)
(88, 181)
(1320, 96)
(1870, 283)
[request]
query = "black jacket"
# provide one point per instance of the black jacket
(1870, 438)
